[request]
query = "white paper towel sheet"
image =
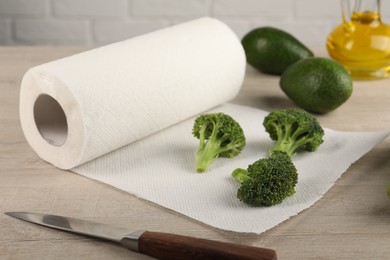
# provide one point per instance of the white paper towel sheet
(122, 114)
(120, 93)
(160, 168)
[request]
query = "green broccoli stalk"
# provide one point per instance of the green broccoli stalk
(267, 181)
(293, 130)
(219, 135)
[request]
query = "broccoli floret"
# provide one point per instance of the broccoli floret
(293, 130)
(267, 181)
(219, 135)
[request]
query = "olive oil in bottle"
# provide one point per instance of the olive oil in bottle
(362, 42)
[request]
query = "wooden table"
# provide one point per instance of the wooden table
(352, 221)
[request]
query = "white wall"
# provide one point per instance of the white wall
(97, 22)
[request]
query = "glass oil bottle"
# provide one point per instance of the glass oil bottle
(362, 42)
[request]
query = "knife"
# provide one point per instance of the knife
(155, 244)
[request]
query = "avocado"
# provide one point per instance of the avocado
(318, 85)
(271, 50)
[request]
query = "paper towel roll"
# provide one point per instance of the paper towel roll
(78, 108)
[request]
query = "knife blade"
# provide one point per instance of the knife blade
(155, 244)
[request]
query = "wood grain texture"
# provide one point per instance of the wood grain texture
(171, 246)
(352, 220)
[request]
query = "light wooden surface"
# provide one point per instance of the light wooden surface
(352, 221)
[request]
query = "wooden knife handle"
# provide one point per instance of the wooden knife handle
(171, 246)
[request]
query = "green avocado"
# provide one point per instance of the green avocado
(271, 50)
(318, 85)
